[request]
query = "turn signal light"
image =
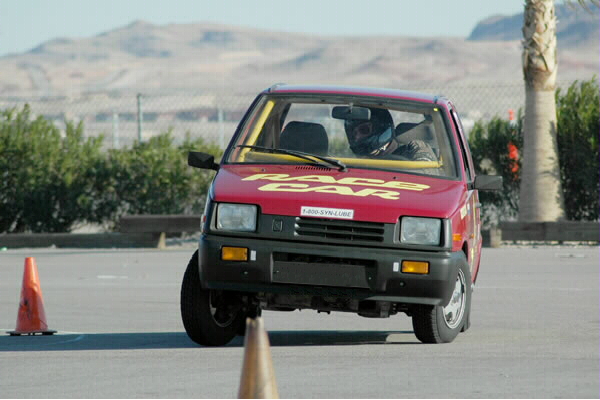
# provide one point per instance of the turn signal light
(415, 267)
(234, 253)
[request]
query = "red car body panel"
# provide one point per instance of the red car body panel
(290, 187)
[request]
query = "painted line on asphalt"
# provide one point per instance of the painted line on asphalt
(77, 339)
(112, 277)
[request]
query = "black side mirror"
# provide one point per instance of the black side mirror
(198, 159)
(487, 182)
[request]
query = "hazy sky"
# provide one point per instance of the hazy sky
(26, 23)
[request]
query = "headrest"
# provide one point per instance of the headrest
(306, 137)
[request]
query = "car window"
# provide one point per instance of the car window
(464, 145)
(401, 136)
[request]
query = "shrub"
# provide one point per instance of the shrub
(153, 178)
(51, 183)
(578, 125)
(492, 145)
(46, 180)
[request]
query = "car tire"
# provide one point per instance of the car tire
(441, 324)
(210, 317)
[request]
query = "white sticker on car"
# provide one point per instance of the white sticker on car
(336, 213)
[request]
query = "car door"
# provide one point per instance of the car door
(473, 217)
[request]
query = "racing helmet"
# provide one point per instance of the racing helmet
(372, 136)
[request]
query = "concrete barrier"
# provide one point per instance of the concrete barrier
(81, 240)
(135, 231)
(561, 231)
(151, 230)
(491, 237)
(159, 223)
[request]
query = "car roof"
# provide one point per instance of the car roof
(356, 91)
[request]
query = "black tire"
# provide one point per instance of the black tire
(206, 325)
(432, 324)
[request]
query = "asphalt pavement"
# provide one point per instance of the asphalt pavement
(534, 334)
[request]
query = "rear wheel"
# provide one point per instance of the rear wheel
(210, 317)
(441, 324)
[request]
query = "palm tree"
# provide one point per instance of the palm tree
(540, 193)
(541, 197)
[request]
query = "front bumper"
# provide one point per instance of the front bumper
(365, 273)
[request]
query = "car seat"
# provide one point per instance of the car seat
(306, 137)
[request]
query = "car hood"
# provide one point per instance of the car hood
(377, 196)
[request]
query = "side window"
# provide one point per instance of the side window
(464, 146)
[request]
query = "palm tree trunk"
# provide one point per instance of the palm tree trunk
(540, 193)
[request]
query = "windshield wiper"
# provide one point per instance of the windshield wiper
(305, 156)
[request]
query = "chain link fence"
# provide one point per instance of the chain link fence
(124, 117)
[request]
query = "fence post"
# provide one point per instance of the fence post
(221, 128)
(140, 117)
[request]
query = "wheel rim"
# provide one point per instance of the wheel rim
(220, 311)
(455, 309)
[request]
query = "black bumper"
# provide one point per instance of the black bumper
(366, 273)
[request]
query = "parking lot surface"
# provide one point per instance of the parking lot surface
(534, 334)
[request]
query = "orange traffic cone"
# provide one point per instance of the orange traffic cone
(258, 377)
(31, 318)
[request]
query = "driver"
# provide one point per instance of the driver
(376, 138)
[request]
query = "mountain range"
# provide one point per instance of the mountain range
(216, 58)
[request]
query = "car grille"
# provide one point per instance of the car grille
(314, 270)
(340, 230)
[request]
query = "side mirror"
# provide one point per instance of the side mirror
(198, 159)
(487, 182)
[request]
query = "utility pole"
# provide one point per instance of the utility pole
(115, 130)
(140, 117)
(221, 128)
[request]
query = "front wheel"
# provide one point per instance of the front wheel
(441, 324)
(210, 317)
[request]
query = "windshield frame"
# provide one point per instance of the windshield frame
(408, 105)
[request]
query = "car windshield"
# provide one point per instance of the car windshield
(346, 132)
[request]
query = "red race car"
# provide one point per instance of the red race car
(339, 199)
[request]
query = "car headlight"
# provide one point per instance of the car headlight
(236, 217)
(415, 230)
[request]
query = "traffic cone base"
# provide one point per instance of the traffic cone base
(15, 333)
(31, 318)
